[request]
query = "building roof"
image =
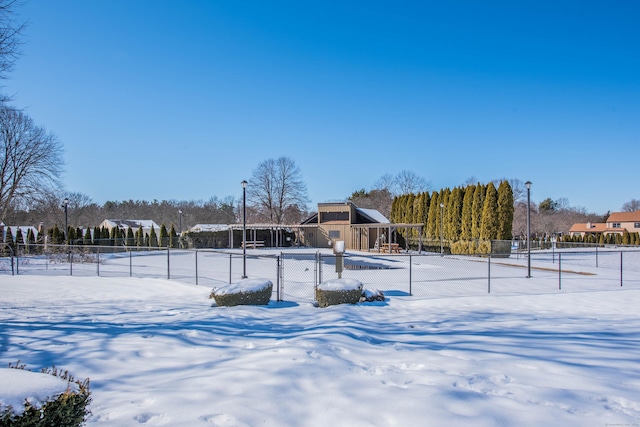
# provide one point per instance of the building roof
(624, 216)
(131, 223)
(199, 228)
(599, 227)
(374, 214)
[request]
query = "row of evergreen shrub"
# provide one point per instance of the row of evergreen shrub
(469, 219)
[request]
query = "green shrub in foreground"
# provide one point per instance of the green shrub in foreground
(69, 409)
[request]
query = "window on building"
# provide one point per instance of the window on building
(636, 225)
(334, 234)
(616, 225)
(334, 216)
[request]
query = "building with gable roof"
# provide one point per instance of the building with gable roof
(617, 223)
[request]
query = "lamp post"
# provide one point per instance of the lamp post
(65, 205)
(528, 184)
(180, 213)
(244, 229)
(441, 228)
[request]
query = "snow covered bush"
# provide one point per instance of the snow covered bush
(244, 292)
(338, 291)
(42, 400)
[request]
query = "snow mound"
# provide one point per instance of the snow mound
(245, 285)
(19, 385)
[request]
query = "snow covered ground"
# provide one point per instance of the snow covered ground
(158, 353)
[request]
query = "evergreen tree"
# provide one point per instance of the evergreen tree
(164, 236)
(477, 209)
(432, 220)
(153, 238)
(31, 240)
(57, 236)
(19, 237)
(505, 211)
(117, 236)
(96, 236)
(445, 221)
(113, 236)
(71, 235)
(140, 237)
(455, 219)
(490, 225)
(426, 205)
(393, 214)
(467, 211)
(86, 238)
(8, 240)
(174, 241)
(131, 241)
(625, 237)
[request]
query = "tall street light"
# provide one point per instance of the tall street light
(180, 213)
(441, 228)
(528, 184)
(65, 205)
(244, 229)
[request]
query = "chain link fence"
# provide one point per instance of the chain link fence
(296, 273)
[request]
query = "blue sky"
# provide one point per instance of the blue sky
(182, 100)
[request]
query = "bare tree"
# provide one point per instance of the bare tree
(9, 38)
(374, 199)
(631, 206)
(275, 186)
(30, 160)
(408, 182)
(404, 182)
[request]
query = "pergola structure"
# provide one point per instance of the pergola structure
(384, 231)
(380, 231)
(276, 228)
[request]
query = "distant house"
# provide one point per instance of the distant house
(134, 224)
(4, 229)
(616, 224)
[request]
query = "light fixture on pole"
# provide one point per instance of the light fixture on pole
(180, 213)
(528, 184)
(441, 228)
(244, 229)
(65, 205)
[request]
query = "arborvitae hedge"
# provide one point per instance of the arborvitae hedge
(476, 213)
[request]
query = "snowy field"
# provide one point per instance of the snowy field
(158, 353)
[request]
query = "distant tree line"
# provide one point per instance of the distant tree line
(82, 212)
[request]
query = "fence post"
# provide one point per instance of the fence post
(168, 264)
(230, 260)
(559, 270)
(130, 264)
(70, 263)
(278, 278)
(410, 276)
(489, 275)
(596, 257)
(196, 267)
(315, 273)
(98, 263)
(620, 268)
(17, 259)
